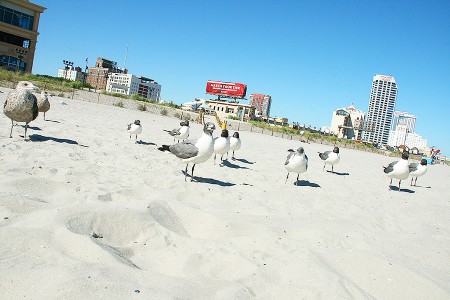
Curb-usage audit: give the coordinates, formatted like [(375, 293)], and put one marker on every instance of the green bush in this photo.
[(233, 117), (164, 112), (187, 117), (118, 104), (142, 107), (176, 115)]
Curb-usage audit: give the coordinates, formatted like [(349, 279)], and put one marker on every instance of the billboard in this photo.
[(228, 89)]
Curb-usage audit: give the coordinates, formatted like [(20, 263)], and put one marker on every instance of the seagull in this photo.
[(21, 105), (417, 170), (195, 152), (330, 158), (235, 143), (43, 103), (296, 162), (398, 169), (135, 128), (221, 145), (181, 133)]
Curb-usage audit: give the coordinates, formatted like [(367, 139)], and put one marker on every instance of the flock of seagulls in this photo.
[(401, 170), (22, 106)]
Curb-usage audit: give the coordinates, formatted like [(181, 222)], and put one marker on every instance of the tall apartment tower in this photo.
[(261, 103), (381, 109)]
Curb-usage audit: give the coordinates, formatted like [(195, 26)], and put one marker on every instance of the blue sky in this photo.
[(310, 56)]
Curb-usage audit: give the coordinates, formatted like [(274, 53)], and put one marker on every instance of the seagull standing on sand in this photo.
[(417, 170), (398, 169), (43, 103), (221, 145), (296, 162), (181, 133), (330, 158), (195, 152), (135, 128), (235, 143), (21, 105)]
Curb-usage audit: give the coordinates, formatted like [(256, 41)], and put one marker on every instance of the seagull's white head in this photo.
[(26, 85)]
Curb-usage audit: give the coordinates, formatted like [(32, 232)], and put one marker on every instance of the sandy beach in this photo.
[(87, 213)]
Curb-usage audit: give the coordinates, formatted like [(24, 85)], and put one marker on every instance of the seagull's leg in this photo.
[(44, 116), (185, 172), (415, 182), (323, 169), (214, 159), (25, 136), (296, 183), (332, 168), (390, 184), (192, 172), (286, 178), (412, 178), (12, 125), (232, 157), (399, 185), (221, 160), (227, 156)]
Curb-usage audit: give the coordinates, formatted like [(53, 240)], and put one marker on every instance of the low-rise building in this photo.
[(348, 122), (225, 109), (129, 84), (71, 73), (275, 121)]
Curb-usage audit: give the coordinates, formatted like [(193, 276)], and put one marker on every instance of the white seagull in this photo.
[(135, 128), (235, 143), (181, 133), (21, 105), (195, 152), (221, 145), (398, 169), (43, 103), (417, 170), (330, 158), (296, 162)]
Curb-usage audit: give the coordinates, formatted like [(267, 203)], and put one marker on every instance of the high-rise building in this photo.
[(402, 136), (19, 22), (261, 103), (404, 118), (381, 109)]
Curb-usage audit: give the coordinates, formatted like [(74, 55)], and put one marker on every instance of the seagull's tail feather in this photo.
[(167, 130), (320, 154), (164, 148)]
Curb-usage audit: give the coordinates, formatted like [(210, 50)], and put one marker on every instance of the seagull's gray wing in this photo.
[(184, 150), (129, 126), (413, 167), (289, 157), (324, 155), (175, 132), (390, 167)]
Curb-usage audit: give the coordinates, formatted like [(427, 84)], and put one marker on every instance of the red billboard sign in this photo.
[(228, 89)]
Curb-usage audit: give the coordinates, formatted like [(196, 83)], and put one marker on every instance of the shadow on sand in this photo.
[(395, 188), (145, 143), (41, 138), (228, 164), (337, 173), (306, 183), (32, 127), (243, 160), (209, 180), (54, 121)]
